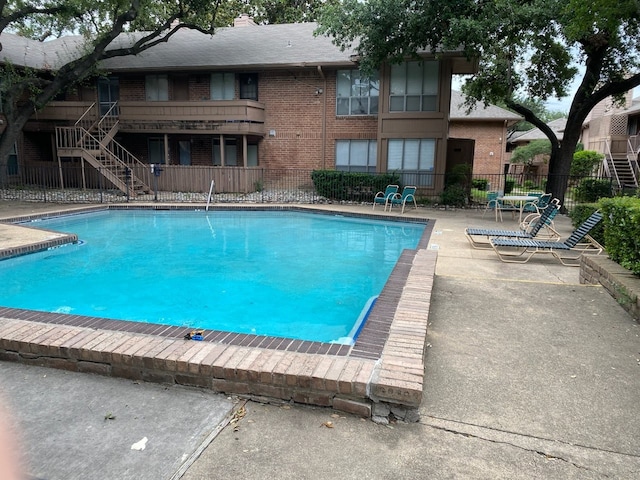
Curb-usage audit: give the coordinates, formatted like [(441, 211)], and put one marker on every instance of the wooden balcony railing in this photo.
[(224, 117), (233, 116)]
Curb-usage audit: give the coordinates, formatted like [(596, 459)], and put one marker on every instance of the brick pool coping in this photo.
[(382, 373)]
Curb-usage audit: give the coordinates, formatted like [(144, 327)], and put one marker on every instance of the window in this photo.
[(414, 159), (12, 161), (249, 86), (157, 88), (184, 152), (252, 155), (414, 87), (223, 86), (356, 94), (230, 154), (156, 150), (356, 155)]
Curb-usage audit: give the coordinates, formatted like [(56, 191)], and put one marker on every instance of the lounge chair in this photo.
[(408, 195), (530, 231), (382, 197), (538, 205), (568, 252)]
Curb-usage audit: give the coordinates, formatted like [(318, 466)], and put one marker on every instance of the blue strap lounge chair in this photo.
[(568, 252), (382, 197), (407, 196), (532, 229)]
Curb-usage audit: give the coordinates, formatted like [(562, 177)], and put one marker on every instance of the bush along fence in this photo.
[(73, 183)]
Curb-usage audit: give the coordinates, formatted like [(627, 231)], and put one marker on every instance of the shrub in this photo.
[(454, 195), (591, 189), (622, 231), (580, 213), (509, 183), (584, 162), (338, 185), (480, 183)]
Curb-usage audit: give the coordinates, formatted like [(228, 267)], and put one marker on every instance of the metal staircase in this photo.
[(623, 168), (94, 143)]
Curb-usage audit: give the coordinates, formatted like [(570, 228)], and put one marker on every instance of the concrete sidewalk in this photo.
[(529, 375)]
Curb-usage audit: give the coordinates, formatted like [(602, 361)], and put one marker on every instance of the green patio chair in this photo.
[(408, 195), (382, 197)]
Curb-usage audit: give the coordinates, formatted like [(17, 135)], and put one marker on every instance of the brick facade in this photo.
[(490, 153)]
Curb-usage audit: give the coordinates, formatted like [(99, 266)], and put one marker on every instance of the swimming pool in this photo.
[(286, 274)]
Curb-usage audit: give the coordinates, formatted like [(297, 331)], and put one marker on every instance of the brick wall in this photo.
[(489, 155)]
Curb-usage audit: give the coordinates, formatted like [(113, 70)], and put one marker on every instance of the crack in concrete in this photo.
[(533, 437)]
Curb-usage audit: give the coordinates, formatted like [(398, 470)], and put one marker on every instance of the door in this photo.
[(184, 148), (108, 94), (156, 150)]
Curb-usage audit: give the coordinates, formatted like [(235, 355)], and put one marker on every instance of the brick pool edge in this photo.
[(391, 384)]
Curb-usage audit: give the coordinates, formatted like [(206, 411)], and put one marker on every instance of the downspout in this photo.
[(503, 144), (324, 117)]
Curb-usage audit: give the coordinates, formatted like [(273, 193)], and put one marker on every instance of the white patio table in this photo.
[(518, 200)]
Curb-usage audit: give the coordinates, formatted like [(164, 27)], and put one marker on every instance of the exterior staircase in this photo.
[(94, 143), (623, 168)]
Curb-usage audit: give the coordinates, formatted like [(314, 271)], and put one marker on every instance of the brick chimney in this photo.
[(244, 20)]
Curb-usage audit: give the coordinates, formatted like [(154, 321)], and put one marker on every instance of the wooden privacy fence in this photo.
[(182, 178)]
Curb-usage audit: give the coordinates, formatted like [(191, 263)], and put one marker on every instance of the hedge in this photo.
[(352, 186), (622, 230)]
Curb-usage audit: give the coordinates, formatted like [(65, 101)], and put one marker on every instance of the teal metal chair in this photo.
[(492, 204), (539, 205), (382, 197), (408, 195)]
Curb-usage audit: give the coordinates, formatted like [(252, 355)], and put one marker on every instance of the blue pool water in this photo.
[(286, 274)]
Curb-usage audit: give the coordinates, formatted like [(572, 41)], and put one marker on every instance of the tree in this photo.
[(105, 29), (532, 49), (526, 154), (274, 11)]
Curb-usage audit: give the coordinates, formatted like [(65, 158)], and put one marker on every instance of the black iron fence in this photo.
[(73, 183)]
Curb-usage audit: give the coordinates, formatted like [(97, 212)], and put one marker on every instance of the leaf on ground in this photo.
[(109, 416), (327, 424)]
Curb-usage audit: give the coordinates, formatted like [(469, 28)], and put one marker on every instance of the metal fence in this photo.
[(74, 183)]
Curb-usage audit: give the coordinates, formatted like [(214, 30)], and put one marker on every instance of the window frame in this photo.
[(356, 83), (424, 89), (422, 175), (248, 83), (371, 163), (156, 87), (228, 85)]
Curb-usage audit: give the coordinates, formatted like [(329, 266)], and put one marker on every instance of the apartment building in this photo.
[(251, 96)]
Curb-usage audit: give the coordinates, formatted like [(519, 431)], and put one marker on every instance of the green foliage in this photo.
[(622, 230), (480, 183), (271, 11), (338, 185), (454, 195), (527, 153), (509, 184), (592, 189), (580, 213), (584, 162)]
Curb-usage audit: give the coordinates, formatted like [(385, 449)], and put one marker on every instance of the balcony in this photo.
[(233, 117)]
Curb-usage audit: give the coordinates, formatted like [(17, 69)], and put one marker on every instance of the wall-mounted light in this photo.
[(319, 91), (272, 133)]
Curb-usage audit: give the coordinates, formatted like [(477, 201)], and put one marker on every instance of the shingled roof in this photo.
[(556, 125), (479, 112), (231, 48)]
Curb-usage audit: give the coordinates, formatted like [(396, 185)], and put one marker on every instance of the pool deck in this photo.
[(381, 374)]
